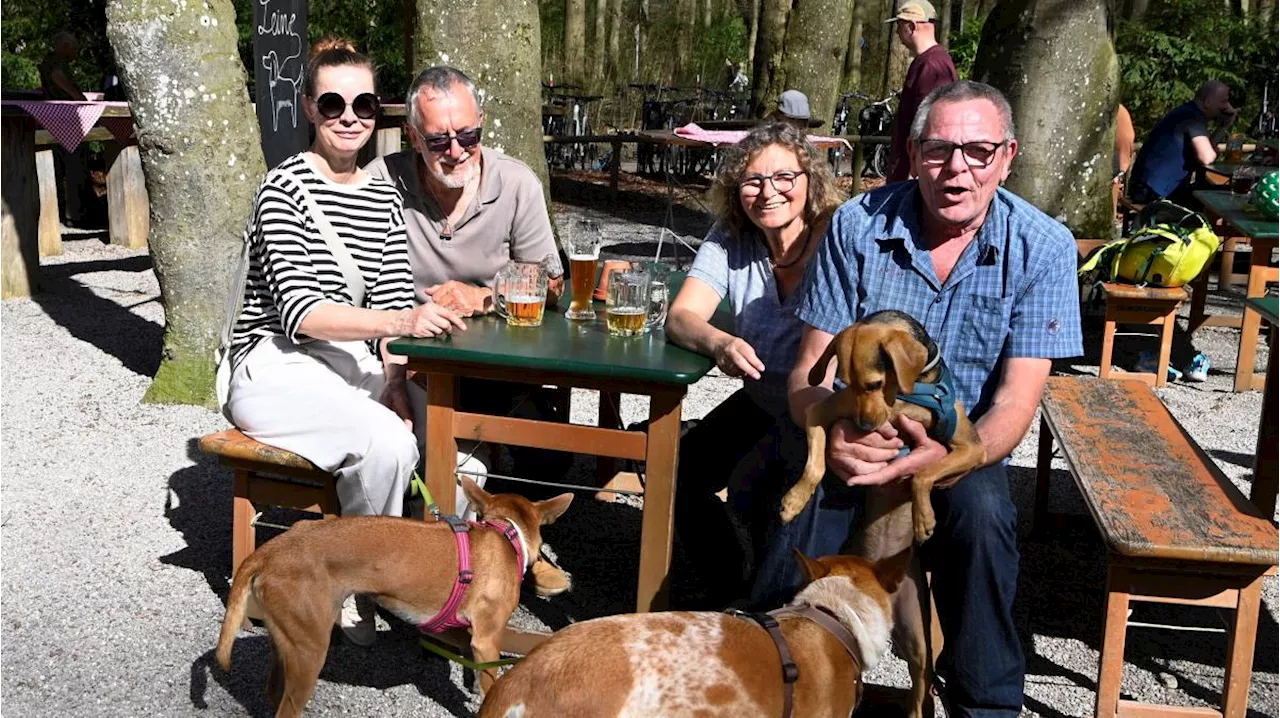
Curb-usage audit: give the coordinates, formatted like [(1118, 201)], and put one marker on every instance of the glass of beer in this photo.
[(582, 244), (520, 293), (631, 307)]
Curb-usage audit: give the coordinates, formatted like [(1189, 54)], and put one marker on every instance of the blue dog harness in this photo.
[(938, 397)]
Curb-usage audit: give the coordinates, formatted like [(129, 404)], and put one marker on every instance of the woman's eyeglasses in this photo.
[(976, 154), (441, 143), (331, 105), (782, 182)]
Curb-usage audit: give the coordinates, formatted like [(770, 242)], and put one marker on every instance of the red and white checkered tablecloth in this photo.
[(69, 121)]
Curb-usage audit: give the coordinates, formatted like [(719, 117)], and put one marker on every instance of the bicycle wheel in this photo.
[(879, 164)]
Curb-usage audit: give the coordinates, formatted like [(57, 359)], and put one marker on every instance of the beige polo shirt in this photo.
[(506, 220)]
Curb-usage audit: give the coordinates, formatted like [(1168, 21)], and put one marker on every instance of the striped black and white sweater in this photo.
[(291, 270)]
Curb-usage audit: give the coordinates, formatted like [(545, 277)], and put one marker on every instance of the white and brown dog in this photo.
[(300, 579), (716, 664)]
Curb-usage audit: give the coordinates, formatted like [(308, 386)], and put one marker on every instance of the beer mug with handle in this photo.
[(582, 244), (632, 307), (520, 293)]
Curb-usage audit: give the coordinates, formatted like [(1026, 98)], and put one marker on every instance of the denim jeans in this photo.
[(973, 556)]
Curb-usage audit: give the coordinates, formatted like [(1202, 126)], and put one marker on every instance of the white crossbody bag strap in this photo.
[(355, 285)]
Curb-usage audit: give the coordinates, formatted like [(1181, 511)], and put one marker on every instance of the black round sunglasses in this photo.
[(331, 105)]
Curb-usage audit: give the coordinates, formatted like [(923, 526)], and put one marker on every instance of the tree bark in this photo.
[(944, 23), (753, 33), (498, 44), (575, 40), (1266, 10), (853, 55), (708, 10), (879, 41), (600, 45), (1137, 9), (682, 70), (816, 43), (771, 38), (1055, 61), (977, 10), (617, 64), (199, 142), (895, 69)]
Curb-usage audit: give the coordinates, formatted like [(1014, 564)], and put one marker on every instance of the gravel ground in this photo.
[(115, 530)]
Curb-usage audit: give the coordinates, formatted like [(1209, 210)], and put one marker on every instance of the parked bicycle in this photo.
[(874, 119), (566, 114)]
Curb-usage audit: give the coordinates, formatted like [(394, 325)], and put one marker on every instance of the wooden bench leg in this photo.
[(656, 527), (1044, 462), (1166, 347), (243, 539), (1240, 644), (1108, 343), (1228, 262), (50, 222), (1111, 657)]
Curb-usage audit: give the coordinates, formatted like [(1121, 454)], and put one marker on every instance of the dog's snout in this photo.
[(864, 425)]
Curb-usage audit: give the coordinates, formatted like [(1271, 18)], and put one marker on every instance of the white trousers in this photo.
[(321, 401)]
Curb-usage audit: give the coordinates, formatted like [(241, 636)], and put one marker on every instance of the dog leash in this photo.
[(447, 654), (418, 487)]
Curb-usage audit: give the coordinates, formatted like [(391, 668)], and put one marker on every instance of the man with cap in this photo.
[(793, 107), (932, 68)]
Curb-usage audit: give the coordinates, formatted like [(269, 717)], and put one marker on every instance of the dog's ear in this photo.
[(812, 568), (907, 356), (552, 508), (891, 571), (839, 347), (819, 370), (476, 495)]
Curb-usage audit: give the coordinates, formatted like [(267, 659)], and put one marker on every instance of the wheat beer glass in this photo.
[(582, 244), (520, 293), (631, 306)]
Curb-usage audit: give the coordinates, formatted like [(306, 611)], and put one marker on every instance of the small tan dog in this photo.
[(301, 578), (883, 360), (713, 664), (890, 366)]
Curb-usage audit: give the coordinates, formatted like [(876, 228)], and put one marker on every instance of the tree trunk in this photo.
[(1055, 61), (682, 70), (617, 64), (977, 10), (770, 42), (817, 39), (498, 44), (853, 55), (708, 9), (895, 70), (1266, 13), (600, 46), (199, 142), (575, 40), (753, 32), (944, 23), (879, 40), (1137, 9)]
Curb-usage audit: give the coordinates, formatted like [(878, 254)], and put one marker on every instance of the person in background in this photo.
[(69, 166), (931, 68), (1180, 147), (793, 108), (774, 195), (307, 368), (1122, 159)]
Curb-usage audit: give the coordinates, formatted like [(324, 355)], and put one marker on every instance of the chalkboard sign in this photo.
[(280, 54)]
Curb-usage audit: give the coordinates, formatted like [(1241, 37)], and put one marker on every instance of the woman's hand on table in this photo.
[(736, 358), (427, 320), (466, 300)]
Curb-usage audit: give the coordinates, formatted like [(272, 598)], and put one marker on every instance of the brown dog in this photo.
[(301, 578), (712, 664), (878, 360)]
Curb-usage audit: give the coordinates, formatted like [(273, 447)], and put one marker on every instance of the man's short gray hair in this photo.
[(440, 78), (962, 91)]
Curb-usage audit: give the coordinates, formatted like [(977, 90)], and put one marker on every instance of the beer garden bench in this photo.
[(1176, 529)]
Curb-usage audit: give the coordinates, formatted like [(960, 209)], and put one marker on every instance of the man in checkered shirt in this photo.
[(993, 281)]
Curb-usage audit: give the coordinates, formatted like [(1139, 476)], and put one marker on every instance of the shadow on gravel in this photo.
[(104, 323), (648, 207), (1061, 593), (199, 508), (395, 660)]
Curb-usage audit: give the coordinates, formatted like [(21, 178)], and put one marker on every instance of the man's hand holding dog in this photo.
[(735, 357), (871, 458)]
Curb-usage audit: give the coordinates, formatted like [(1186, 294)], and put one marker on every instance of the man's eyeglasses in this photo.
[(976, 154), (782, 182), (331, 105), (441, 143)]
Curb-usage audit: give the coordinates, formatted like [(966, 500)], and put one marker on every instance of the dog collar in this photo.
[(448, 616), (938, 397)]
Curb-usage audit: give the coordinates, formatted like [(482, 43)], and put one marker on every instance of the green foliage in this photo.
[(725, 39), (29, 27), (964, 47), (1182, 43)]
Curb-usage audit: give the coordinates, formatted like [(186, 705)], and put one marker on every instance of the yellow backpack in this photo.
[(1170, 248)]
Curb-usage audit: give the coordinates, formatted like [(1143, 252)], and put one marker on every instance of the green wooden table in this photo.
[(1266, 463), (1236, 213), (564, 353), (1226, 169)]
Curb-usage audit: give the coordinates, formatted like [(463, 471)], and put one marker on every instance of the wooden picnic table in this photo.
[(564, 353), (1236, 213), (1266, 474)]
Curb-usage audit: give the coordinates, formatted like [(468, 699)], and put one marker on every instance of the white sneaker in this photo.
[(358, 620)]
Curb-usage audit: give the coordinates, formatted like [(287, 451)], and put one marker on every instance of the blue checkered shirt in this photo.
[(1012, 292)]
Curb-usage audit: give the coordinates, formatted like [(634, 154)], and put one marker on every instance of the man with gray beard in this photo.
[(469, 210)]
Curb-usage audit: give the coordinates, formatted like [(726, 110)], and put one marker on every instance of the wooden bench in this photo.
[(1176, 529), (267, 476)]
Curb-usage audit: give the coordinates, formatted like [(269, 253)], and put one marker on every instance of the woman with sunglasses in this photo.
[(774, 195), (328, 281)]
